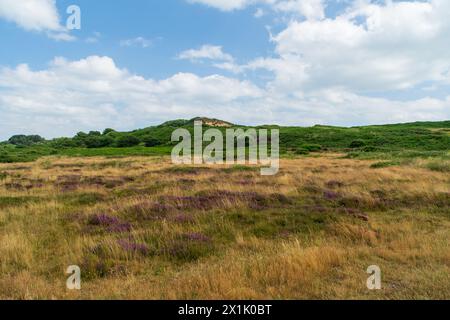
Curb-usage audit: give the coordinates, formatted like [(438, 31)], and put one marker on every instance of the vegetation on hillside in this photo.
[(422, 139)]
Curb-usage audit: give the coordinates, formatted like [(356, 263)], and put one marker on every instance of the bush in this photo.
[(370, 149), (23, 140), (5, 157), (357, 144), (64, 143), (108, 130), (151, 142), (98, 141), (312, 147), (301, 152), (127, 141), (385, 164)]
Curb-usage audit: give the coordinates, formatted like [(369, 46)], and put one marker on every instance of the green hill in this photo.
[(419, 139)]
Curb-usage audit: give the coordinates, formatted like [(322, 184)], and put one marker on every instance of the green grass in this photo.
[(132, 151), (439, 166), (6, 202), (385, 164)]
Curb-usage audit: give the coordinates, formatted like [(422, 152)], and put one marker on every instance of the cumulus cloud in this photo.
[(225, 5), (342, 70), (207, 51), (35, 15), (372, 47), (138, 41), (214, 54), (94, 93), (369, 48), (310, 9)]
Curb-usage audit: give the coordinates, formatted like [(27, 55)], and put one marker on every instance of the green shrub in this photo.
[(151, 142), (6, 158), (127, 141), (64, 143), (83, 199), (369, 149), (108, 130), (94, 141), (23, 140), (441, 166), (301, 152), (357, 144), (384, 164), (312, 147)]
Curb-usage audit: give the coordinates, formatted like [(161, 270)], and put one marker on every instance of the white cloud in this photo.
[(138, 41), (35, 15), (371, 47), (206, 52), (311, 9), (220, 59), (93, 93), (94, 38), (323, 70), (225, 5), (259, 13)]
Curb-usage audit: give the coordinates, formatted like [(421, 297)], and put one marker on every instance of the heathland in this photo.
[(140, 227)]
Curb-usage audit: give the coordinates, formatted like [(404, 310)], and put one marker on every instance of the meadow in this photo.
[(142, 228)]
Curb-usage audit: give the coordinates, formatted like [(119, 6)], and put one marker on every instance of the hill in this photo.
[(419, 139)]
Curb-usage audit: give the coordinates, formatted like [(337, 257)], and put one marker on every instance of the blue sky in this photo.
[(295, 62), (171, 25)]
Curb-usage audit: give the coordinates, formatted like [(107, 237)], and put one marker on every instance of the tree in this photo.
[(23, 140), (151, 142), (357, 144), (108, 130), (64, 143), (127, 141), (94, 141), (81, 135)]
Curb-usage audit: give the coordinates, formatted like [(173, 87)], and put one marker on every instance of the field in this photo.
[(140, 227)]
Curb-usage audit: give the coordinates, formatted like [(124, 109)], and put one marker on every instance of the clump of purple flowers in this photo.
[(103, 220), (148, 210), (113, 224), (120, 228), (132, 246), (330, 195)]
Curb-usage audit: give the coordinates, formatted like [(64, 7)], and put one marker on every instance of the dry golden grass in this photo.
[(141, 228)]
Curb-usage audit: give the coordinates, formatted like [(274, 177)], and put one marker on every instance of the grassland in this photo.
[(142, 228)]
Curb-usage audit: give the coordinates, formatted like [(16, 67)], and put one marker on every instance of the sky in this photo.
[(136, 63)]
